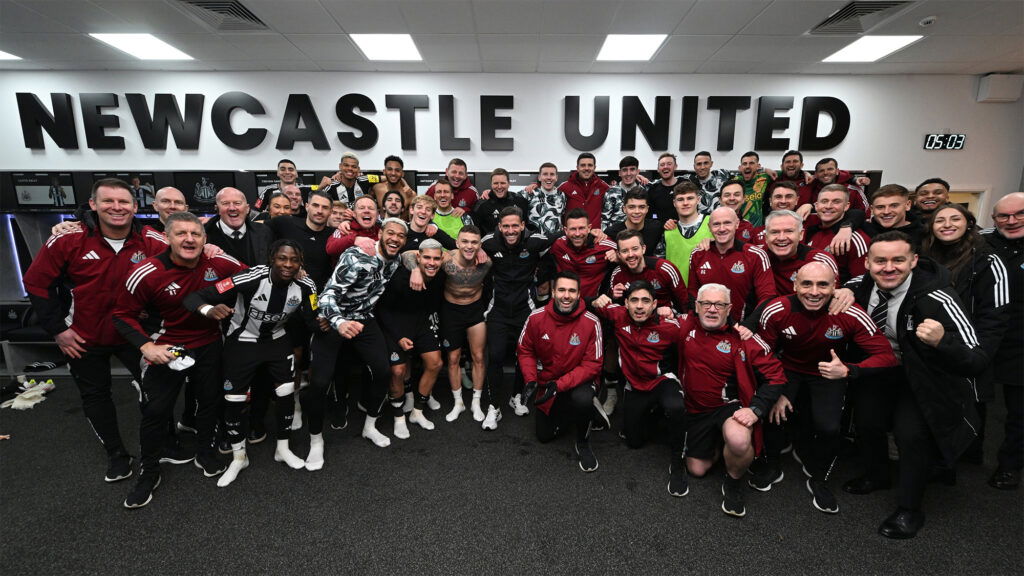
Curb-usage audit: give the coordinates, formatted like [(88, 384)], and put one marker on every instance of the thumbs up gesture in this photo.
[(834, 369)]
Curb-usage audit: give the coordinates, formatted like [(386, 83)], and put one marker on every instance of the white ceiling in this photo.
[(557, 36)]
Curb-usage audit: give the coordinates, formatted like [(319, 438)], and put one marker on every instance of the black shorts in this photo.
[(456, 319), (704, 431), (423, 342), (243, 359)]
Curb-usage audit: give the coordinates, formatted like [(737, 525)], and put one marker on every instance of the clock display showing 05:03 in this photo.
[(944, 141)]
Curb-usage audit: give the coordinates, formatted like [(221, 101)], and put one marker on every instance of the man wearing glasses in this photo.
[(1007, 242)]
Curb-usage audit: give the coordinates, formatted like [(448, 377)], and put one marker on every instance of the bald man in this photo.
[(233, 232), (812, 344), (167, 201), (1007, 242)]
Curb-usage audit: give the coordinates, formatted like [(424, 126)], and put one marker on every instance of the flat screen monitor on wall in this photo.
[(45, 191), (142, 183)]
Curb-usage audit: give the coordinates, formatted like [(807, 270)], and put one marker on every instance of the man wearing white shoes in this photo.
[(346, 303), (258, 304), (408, 316), (560, 351)]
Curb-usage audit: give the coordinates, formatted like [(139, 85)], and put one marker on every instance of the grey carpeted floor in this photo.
[(460, 500)]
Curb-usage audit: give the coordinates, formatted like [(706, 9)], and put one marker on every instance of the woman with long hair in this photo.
[(981, 281)]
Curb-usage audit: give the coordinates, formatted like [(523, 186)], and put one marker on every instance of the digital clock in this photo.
[(944, 141)]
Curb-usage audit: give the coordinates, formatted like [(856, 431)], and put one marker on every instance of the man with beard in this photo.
[(929, 195), (463, 194), (579, 252), (755, 188), (584, 189), (662, 275), (515, 254), (826, 171), (93, 259), (564, 341), (485, 215), (394, 181), (311, 232), (660, 193), (347, 304), (287, 175), (393, 206), (257, 303), (187, 346), (347, 183), (708, 180), (364, 223), (651, 387)]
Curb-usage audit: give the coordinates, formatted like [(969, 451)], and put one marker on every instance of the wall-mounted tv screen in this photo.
[(200, 188), (45, 190), (142, 183)]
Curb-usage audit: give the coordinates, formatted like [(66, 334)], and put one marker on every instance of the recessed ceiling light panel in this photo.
[(630, 47), (387, 47), (142, 46), (872, 48)]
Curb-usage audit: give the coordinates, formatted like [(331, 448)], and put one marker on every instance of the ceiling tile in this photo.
[(567, 47), (400, 66), (679, 48), (959, 18), (752, 49), (648, 17), (450, 47), (791, 18), (506, 17), (719, 17), (82, 16), (152, 17), (509, 46), (18, 18), (204, 46), (672, 67), (62, 47), (563, 67), (367, 16), (809, 48), (514, 66), (615, 67), (727, 67), (578, 17), (453, 66), (884, 68), (264, 46), (346, 66), (326, 46), (439, 17), (294, 16), (956, 49)]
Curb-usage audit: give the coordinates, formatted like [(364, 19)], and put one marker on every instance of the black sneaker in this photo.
[(822, 497), (764, 478), (588, 462), (176, 454), (211, 464), (119, 467), (142, 493), (678, 482), (732, 497), (256, 436)]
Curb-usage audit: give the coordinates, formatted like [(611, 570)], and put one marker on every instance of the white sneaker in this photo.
[(315, 458), (418, 417), (492, 419), (238, 463), (284, 454), (371, 433), (478, 413), (401, 429), (407, 407), (459, 408), (517, 404), (611, 401), (432, 403)]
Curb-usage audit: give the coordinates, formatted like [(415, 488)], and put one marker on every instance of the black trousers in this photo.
[(91, 373), (159, 391), (369, 347), (882, 401), (247, 364), (817, 415), (638, 408), (1011, 453), (502, 333), (572, 408)]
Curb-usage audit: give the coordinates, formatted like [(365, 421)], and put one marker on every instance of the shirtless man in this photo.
[(462, 316)]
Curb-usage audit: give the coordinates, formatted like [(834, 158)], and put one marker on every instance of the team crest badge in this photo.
[(524, 254), (743, 356), (653, 338), (591, 259), (228, 385), (792, 277), (210, 275), (462, 203), (745, 234), (138, 257), (394, 356), (446, 344), (293, 301), (724, 347), (656, 285), (597, 192), (738, 268), (574, 340), (834, 333)]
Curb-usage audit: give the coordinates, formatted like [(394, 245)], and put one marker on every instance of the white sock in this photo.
[(315, 458), (239, 462), (432, 403), (401, 430), (458, 408), (478, 413), (284, 454), (407, 406), (297, 416), (371, 433), (418, 417), (477, 394)]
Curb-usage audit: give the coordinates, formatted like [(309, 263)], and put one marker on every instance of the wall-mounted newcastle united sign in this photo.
[(301, 121)]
